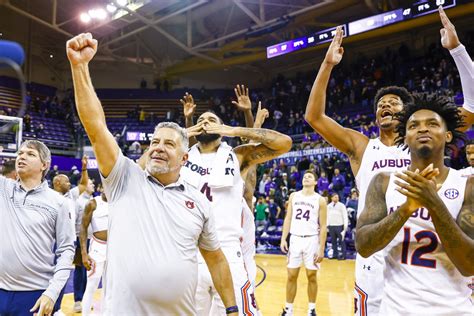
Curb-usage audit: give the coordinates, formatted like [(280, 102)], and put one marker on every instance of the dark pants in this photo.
[(18, 303), (80, 278), (336, 237)]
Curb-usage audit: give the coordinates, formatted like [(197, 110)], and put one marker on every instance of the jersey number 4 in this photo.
[(417, 256), (300, 215), (206, 190)]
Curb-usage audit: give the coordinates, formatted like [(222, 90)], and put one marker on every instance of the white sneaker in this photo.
[(77, 307)]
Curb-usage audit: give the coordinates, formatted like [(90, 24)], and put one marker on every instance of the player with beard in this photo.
[(367, 158), (216, 170), (469, 171), (424, 223)]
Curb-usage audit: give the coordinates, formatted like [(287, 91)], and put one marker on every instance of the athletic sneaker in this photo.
[(285, 312), (312, 312), (77, 307)]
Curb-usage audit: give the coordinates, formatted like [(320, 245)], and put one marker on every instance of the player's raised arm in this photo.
[(80, 51), (348, 141), (244, 104), (464, 64)]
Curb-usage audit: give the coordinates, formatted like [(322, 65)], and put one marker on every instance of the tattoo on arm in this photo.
[(374, 228)]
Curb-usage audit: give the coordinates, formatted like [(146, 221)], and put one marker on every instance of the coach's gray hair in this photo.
[(43, 152), (182, 132)]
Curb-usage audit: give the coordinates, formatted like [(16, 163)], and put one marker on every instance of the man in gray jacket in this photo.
[(34, 218)]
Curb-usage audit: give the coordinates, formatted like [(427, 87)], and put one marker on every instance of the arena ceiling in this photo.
[(172, 37)]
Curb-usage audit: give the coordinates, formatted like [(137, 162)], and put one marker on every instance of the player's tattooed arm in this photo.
[(375, 229), (267, 144), (457, 236)]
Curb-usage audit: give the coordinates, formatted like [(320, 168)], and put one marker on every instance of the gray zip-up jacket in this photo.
[(35, 228)]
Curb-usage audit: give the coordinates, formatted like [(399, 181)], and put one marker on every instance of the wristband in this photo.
[(232, 309)]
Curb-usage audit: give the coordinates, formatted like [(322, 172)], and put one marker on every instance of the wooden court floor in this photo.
[(335, 288)]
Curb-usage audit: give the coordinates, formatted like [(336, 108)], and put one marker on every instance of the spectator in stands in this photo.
[(261, 212), (338, 183), (27, 122), (351, 205), (40, 131), (274, 211), (8, 170), (52, 173), (143, 83), (323, 183), (337, 226), (135, 148)]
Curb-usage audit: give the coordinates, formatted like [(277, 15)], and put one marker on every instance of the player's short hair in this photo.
[(43, 152), (310, 172), (213, 112), (470, 142), (396, 90), (440, 105), (8, 166), (181, 131)]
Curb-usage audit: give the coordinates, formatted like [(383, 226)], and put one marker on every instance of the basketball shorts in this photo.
[(208, 301), (98, 249), (303, 250), (369, 284)]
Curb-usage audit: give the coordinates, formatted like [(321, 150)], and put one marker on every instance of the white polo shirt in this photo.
[(153, 239)]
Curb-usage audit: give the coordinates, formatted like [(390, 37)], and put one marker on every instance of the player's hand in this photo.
[(188, 105), (88, 262), (84, 162), (284, 246), (420, 191), (262, 114), (243, 101), (449, 37), (317, 257), (335, 50), (81, 49), (221, 129), (197, 129), (44, 305)]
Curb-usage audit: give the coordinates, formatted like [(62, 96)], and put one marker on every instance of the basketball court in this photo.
[(335, 288)]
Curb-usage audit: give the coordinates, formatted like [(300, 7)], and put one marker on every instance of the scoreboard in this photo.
[(417, 9)]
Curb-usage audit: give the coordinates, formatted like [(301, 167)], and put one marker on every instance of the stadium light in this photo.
[(101, 14), (111, 8), (86, 18)]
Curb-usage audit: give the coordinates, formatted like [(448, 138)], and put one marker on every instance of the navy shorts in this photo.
[(18, 303)]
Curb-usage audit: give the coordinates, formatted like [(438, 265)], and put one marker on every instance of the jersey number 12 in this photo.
[(417, 256)]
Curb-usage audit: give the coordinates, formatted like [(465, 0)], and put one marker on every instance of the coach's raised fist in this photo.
[(81, 49)]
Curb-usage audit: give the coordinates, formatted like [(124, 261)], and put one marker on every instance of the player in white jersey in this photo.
[(423, 220), (96, 214), (215, 169), (367, 158), (306, 210)]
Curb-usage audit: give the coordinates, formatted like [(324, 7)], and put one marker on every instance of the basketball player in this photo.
[(8, 169), (423, 223), (33, 219), (464, 64), (367, 157), (469, 171), (158, 221), (62, 185), (216, 170), (96, 214), (306, 209)]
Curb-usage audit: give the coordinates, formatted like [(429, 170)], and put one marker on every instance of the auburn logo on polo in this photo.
[(190, 204)]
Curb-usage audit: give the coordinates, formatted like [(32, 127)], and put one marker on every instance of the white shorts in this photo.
[(251, 267), (208, 301), (303, 249), (369, 284), (98, 249)]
